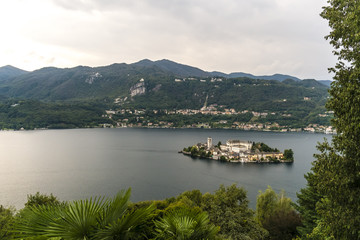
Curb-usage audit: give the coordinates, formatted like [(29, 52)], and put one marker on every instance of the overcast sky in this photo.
[(261, 37)]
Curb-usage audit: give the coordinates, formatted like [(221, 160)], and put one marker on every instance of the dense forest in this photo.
[(32, 114), (288, 103), (238, 93)]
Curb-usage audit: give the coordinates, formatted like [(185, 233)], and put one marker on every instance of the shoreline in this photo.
[(156, 127), (256, 162)]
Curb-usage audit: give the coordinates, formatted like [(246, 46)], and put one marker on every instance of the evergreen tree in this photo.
[(336, 171), (307, 199)]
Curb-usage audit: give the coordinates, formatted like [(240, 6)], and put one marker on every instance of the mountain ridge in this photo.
[(148, 85), (179, 70), (7, 72)]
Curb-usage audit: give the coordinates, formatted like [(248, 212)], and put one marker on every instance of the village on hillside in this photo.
[(239, 151)]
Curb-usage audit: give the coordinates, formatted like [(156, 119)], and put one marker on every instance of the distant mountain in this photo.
[(278, 77), (78, 96), (7, 72), (181, 70), (78, 83), (151, 78), (174, 68), (325, 82)]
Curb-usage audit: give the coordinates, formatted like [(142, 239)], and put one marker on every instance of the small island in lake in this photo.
[(239, 151)]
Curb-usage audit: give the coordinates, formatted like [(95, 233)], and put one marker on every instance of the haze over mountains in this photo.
[(177, 69)]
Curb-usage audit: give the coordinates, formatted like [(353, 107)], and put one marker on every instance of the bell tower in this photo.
[(209, 143)]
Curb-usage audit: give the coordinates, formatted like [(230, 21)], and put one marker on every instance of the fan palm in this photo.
[(183, 224), (94, 218)]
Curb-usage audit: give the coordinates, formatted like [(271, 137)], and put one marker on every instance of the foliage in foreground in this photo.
[(227, 208), (94, 218), (191, 215), (185, 224), (334, 184), (6, 222), (276, 214)]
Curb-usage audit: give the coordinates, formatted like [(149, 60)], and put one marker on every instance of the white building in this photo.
[(238, 146)]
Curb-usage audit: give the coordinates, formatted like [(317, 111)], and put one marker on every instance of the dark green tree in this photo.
[(194, 151), (6, 222), (306, 206), (288, 154), (336, 171), (228, 208), (41, 199), (277, 215)]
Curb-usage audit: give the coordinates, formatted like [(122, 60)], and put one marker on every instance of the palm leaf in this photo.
[(128, 226), (185, 224), (94, 218)]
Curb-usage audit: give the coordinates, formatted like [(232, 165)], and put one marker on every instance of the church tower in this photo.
[(209, 143)]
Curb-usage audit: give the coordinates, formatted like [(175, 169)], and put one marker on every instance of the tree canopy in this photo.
[(336, 171), (276, 214)]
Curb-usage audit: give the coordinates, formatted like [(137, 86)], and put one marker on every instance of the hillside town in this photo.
[(239, 151), (150, 119)]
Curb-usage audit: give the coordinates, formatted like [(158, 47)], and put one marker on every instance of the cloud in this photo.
[(257, 36)]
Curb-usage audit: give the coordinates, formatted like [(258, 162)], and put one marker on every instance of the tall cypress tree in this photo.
[(336, 171)]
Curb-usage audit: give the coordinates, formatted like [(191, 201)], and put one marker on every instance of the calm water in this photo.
[(74, 164)]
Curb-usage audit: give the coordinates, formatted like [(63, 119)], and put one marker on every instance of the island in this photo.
[(239, 151)]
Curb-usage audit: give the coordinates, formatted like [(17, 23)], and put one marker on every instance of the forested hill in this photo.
[(237, 93), (149, 86), (8, 72), (79, 83), (161, 88), (158, 85)]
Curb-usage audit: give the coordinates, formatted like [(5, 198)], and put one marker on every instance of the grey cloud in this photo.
[(234, 35)]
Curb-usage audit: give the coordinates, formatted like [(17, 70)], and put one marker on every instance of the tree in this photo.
[(288, 154), (194, 151), (266, 204), (336, 170), (277, 215), (94, 218), (228, 208), (41, 199), (6, 222), (185, 224), (202, 153), (306, 206)]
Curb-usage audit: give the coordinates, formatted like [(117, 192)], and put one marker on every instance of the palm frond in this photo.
[(185, 224), (115, 208), (128, 225)]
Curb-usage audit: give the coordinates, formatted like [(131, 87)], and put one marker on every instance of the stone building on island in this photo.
[(235, 151)]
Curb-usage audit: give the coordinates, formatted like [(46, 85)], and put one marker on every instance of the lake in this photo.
[(79, 163)]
